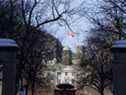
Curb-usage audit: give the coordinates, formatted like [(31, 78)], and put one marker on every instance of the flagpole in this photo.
[(77, 39)]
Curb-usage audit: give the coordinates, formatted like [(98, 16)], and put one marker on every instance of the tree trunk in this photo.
[(102, 80), (102, 92), (26, 89), (32, 88)]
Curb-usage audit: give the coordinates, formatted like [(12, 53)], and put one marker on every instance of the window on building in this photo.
[(58, 73), (72, 81), (66, 81), (66, 73), (58, 76), (59, 81), (73, 73)]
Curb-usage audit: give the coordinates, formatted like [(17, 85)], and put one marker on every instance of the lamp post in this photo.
[(8, 59), (119, 67)]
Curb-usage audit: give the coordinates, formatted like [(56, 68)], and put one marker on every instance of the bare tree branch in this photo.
[(51, 20), (67, 24), (104, 27), (23, 12), (120, 8), (31, 12)]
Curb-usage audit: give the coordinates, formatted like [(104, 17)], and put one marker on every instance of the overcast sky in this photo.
[(82, 24)]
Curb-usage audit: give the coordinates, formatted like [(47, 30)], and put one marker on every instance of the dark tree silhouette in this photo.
[(97, 72), (36, 47)]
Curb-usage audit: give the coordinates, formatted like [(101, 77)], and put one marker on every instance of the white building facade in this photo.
[(66, 75)]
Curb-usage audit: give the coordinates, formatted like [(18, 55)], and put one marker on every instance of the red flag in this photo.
[(71, 34)]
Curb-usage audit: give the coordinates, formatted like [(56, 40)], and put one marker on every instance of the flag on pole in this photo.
[(71, 34)]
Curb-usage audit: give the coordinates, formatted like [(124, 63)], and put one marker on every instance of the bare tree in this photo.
[(107, 16), (42, 12), (97, 65), (35, 47)]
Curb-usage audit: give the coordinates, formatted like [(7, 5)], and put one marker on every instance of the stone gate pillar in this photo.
[(119, 67), (8, 60)]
